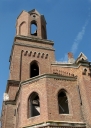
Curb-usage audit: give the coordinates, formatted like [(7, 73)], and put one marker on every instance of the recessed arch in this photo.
[(63, 102), (34, 69), (33, 105), (22, 28)]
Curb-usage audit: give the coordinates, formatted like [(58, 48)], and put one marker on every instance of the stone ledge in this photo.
[(33, 46), (12, 102), (67, 65), (59, 124), (54, 76), (40, 40), (13, 83)]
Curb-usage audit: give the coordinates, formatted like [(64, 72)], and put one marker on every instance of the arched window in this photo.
[(33, 28), (33, 105), (63, 103), (34, 69)]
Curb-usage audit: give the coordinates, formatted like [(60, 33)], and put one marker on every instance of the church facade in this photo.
[(40, 92)]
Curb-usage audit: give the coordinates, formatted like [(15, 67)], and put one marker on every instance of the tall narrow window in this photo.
[(34, 105), (34, 69), (63, 103), (33, 28)]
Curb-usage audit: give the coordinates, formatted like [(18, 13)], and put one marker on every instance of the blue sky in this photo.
[(68, 25)]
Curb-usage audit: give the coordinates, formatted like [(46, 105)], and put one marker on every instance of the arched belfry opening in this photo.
[(33, 105), (33, 28), (63, 103), (34, 69)]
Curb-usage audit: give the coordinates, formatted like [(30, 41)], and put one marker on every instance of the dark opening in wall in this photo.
[(34, 69), (34, 105), (33, 28), (63, 103)]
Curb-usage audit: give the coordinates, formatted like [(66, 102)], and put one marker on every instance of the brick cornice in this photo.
[(74, 65), (53, 76), (34, 39), (13, 83), (33, 46), (13, 102)]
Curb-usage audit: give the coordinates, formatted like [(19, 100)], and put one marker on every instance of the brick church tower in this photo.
[(40, 92)]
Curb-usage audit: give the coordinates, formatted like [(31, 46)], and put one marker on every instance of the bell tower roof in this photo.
[(34, 11)]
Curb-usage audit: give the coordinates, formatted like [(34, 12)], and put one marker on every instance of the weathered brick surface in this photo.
[(8, 116), (26, 59), (48, 93), (12, 92)]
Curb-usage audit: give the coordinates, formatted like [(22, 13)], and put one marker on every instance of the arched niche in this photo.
[(22, 28)]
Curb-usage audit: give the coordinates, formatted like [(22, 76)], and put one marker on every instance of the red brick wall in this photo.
[(48, 90), (8, 116), (44, 63)]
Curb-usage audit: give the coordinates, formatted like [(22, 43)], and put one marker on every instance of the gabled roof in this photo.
[(81, 57), (30, 12), (34, 11), (21, 13)]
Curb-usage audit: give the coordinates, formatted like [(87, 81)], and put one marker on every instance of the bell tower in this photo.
[(31, 56), (32, 53), (27, 21)]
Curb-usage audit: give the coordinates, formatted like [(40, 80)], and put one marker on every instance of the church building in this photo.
[(41, 92)]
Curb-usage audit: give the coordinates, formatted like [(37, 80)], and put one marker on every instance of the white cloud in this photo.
[(80, 34), (89, 0), (78, 38), (76, 42)]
